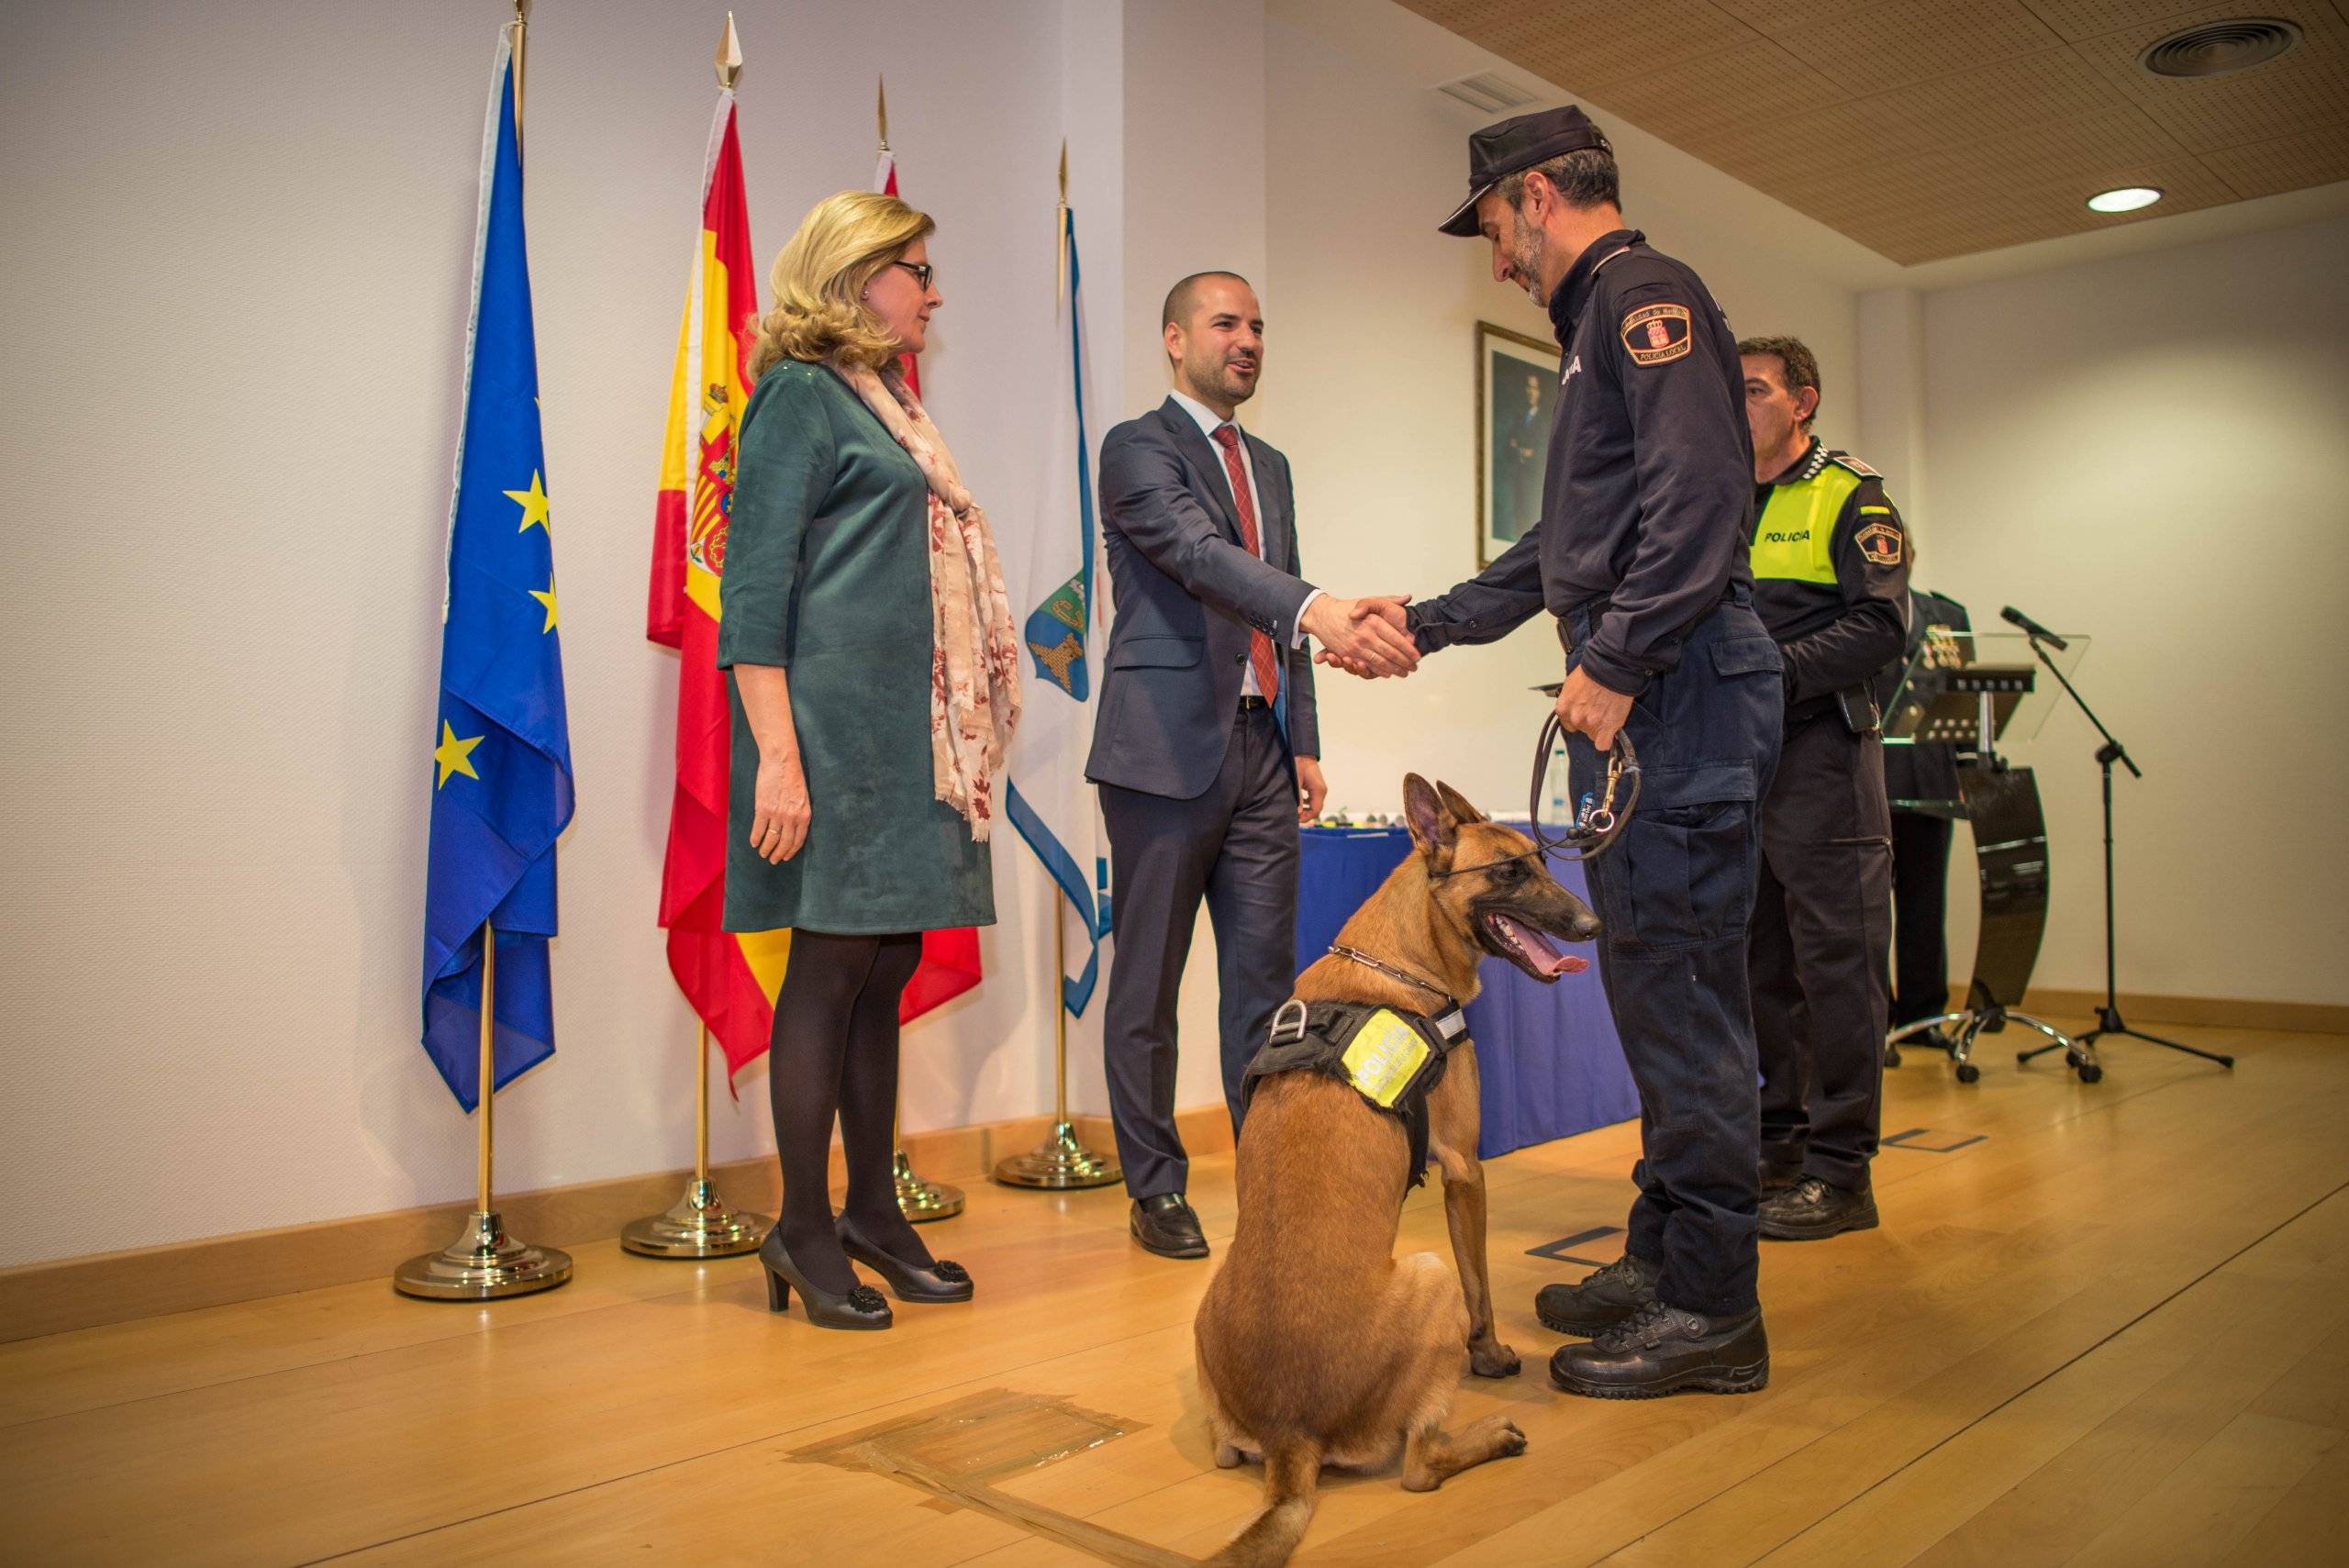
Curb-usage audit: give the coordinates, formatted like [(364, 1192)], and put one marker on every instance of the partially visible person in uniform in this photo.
[(874, 679), (1639, 553), (1920, 780), (1830, 578), (1206, 751)]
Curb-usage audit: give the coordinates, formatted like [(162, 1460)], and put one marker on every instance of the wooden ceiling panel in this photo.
[(1929, 129), (2307, 87), (2093, 18), (1815, 141), (1889, 45), (1776, 18), (2046, 86), (1752, 86), (2288, 163), (1589, 41)]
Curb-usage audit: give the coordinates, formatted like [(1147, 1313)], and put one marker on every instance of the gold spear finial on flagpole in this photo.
[(729, 56), (880, 108), (521, 26), (1060, 238)]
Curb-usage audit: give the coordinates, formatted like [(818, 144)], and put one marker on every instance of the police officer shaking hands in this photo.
[(1830, 579), (1639, 552)]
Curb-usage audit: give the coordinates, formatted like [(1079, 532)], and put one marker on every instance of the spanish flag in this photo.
[(729, 978)]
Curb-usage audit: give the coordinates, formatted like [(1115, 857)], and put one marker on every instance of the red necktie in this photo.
[(1260, 646)]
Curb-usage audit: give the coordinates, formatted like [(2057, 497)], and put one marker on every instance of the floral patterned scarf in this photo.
[(974, 654)]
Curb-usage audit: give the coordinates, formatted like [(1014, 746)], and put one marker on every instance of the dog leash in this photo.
[(1598, 823)]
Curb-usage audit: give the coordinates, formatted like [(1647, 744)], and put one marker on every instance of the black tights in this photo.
[(835, 1049)]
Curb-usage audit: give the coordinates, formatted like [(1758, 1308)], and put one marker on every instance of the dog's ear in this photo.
[(1458, 804), (1433, 827)]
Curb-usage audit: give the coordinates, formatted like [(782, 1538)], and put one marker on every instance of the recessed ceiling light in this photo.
[(2127, 198)]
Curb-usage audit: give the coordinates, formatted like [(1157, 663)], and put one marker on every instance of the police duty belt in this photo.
[(1389, 1057)]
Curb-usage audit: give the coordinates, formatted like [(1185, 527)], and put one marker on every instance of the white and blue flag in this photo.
[(1049, 800)]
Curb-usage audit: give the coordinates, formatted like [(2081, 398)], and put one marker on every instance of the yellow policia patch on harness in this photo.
[(1383, 1056), (1654, 333)]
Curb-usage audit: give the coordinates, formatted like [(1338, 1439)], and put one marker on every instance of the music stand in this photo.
[(1970, 689), (2082, 1056)]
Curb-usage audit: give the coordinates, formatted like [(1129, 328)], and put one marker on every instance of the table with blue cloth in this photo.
[(1548, 1056)]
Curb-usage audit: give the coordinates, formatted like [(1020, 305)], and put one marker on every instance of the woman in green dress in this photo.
[(875, 685)]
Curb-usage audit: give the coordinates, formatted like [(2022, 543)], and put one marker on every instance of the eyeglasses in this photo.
[(921, 271)]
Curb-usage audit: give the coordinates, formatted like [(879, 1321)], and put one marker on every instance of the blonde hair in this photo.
[(841, 243)]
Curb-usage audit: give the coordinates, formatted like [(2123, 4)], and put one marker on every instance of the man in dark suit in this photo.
[(1205, 746)]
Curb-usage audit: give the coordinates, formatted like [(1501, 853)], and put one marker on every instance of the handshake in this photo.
[(1365, 637)]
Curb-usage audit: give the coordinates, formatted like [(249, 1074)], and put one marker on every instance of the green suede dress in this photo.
[(826, 574)]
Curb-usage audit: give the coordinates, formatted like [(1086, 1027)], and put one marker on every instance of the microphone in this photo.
[(2033, 627)]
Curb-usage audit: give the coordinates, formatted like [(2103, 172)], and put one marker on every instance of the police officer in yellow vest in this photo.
[(1830, 581)]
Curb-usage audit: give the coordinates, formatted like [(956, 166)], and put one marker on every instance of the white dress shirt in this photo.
[(1209, 422)]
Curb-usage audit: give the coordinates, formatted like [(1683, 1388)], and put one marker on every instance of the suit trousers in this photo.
[(1920, 916), (1236, 846), (1821, 939)]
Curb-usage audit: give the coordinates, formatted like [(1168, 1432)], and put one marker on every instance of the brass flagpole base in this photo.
[(921, 1201), (483, 1261), (1062, 1164), (698, 1225)]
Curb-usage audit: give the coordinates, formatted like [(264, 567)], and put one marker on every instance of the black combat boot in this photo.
[(1661, 1350), (1602, 1300), (1811, 1210)]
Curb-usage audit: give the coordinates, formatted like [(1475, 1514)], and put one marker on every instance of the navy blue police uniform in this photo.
[(1641, 555), (1831, 568)]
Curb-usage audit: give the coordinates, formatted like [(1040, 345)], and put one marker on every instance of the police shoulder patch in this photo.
[(1653, 334), (1845, 459), (1883, 544)]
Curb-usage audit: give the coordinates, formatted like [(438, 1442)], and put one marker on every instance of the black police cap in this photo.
[(1502, 150)]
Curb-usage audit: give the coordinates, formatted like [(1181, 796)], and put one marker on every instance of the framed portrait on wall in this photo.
[(1517, 391)]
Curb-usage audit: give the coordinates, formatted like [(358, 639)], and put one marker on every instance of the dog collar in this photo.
[(1448, 1020)]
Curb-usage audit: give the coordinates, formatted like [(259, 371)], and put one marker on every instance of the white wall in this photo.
[(236, 265), (2149, 450)]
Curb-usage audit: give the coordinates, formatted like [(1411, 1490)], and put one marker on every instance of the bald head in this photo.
[(1184, 297), (1214, 331)]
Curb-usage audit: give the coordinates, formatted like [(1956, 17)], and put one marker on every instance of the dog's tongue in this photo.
[(1546, 957)]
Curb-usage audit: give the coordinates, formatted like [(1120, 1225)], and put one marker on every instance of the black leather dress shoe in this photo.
[(942, 1280), (1601, 1301), (1810, 1210), (1661, 1350), (1166, 1225)]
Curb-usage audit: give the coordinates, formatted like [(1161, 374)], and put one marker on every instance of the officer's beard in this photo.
[(1527, 249)]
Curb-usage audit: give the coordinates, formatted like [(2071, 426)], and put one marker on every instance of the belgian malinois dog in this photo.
[(1317, 1345)]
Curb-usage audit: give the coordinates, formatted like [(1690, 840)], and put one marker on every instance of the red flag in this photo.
[(729, 978), (949, 959)]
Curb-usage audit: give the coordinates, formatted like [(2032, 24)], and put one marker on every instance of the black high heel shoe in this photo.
[(937, 1282), (861, 1307)]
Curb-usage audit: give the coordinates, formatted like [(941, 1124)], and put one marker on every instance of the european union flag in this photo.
[(501, 752)]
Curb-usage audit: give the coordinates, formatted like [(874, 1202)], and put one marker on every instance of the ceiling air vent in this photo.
[(1485, 93), (2217, 48)]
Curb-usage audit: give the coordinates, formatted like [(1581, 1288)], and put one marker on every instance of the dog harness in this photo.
[(1391, 1058)]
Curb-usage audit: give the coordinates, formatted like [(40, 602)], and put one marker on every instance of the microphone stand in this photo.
[(2108, 1017)]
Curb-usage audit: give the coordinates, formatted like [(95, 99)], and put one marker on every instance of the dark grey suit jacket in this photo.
[(1188, 591)]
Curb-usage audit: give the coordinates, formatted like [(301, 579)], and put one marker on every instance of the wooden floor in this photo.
[(2113, 1328)]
